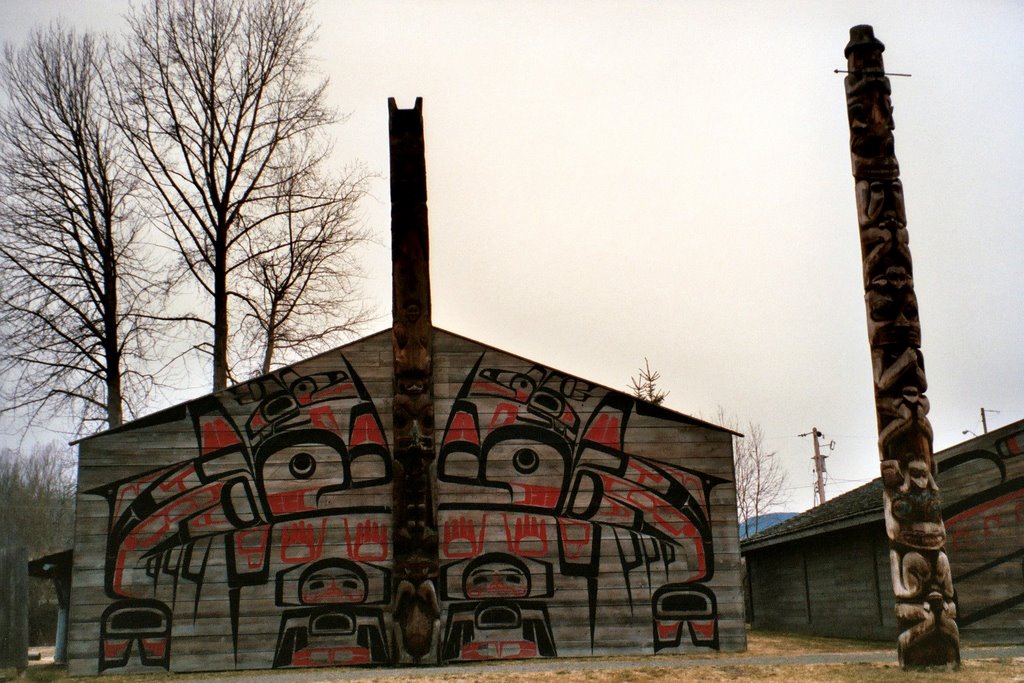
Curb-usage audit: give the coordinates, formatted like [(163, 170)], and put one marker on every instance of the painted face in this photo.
[(496, 580), (332, 585)]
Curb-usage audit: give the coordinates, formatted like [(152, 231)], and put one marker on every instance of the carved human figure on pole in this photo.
[(922, 585)]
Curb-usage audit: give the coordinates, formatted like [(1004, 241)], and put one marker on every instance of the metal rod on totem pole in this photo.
[(414, 535), (923, 587)]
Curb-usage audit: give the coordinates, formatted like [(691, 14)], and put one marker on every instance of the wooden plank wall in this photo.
[(13, 608), (246, 529), (575, 520), (251, 528), (833, 585), (982, 486)]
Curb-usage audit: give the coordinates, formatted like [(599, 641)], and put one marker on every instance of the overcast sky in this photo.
[(614, 180)]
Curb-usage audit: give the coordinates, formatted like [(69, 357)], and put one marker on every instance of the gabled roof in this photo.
[(862, 505), (177, 411)]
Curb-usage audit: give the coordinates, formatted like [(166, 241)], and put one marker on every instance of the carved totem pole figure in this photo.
[(925, 606), (415, 533)]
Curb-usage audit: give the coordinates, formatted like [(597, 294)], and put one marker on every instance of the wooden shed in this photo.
[(827, 571), (263, 526)]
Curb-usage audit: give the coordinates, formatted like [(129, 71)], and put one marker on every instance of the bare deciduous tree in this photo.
[(760, 478), (644, 385), (220, 107), (73, 336), (297, 293)]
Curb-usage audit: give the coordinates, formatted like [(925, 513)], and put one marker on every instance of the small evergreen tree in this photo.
[(644, 385)]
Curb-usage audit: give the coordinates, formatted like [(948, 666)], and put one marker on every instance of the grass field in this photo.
[(656, 668)]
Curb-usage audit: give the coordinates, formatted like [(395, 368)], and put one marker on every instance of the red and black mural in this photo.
[(271, 545), (985, 529), (545, 513), (283, 515)]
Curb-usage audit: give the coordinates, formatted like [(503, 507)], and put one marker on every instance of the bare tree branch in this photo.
[(220, 108), (760, 479), (71, 269)]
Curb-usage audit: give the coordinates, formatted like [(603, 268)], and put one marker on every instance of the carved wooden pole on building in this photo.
[(925, 608), (415, 534)]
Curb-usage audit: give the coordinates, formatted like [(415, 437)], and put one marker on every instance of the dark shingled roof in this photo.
[(864, 502)]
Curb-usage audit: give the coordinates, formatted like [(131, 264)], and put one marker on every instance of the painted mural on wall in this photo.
[(544, 513), (986, 530), (284, 515), (272, 545)]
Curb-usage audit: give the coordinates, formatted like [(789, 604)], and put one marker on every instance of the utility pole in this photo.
[(984, 422), (819, 466)]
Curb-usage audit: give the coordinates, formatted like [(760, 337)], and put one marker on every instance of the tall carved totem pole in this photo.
[(925, 607), (415, 527)]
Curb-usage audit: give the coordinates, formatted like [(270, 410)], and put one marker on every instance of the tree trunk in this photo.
[(220, 313), (268, 351)]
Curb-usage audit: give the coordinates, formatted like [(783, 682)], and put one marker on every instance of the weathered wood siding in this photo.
[(576, 520), (795, 587), (982, 486), (252, 528), (794, 584), (245, 529), (13, 608)]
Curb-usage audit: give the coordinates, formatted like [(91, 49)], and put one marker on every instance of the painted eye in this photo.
[(525, 460), (302, 465)]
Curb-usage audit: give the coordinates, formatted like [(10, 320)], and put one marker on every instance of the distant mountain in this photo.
[(755, 524)]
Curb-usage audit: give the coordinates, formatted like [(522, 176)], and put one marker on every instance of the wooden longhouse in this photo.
[(413, 496)]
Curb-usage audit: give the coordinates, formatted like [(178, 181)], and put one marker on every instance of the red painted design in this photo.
[(463, 428), (115, 649), (251, 545), (705, 630), (322, 417), (293, 501), (155, 647), (491, 389), (347, 655), (606, 430), (155, 528), (498, 649), (370, 543), (534, 495), (335, 391), (461, 538), (217, 434), (644, 475), (667, 630), (366, 430), (176, 483), (984, 508), (530, 537), (300, 542), (576, 537), (504, 414)]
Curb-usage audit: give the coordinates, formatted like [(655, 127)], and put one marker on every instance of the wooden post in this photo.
[(415, 527), (13, 608), (925, 608)]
